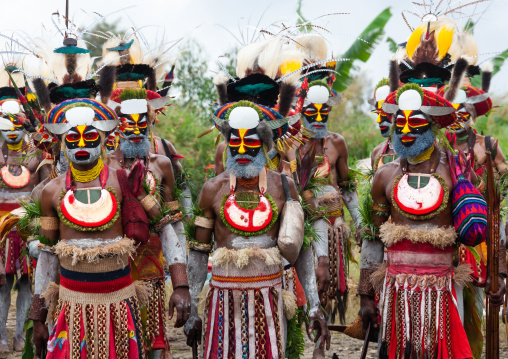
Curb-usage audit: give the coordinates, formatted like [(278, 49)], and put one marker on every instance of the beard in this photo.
[(94, 154), (422, 143), (13, 141), (248, 170), (319, 132), (385, 133), (134, 149)]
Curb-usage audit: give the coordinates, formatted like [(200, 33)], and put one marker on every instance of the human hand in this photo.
[(368, 312), (323, 275), (496, 299), (40, 336), (192, 330), (180, 299), (318, 323)]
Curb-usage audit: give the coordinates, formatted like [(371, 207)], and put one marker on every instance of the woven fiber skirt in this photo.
[(245, 306), (97, 315)]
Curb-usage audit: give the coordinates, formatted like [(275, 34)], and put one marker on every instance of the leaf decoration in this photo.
[(361, 49)]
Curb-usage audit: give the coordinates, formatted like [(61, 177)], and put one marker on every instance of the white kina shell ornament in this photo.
[(382, 93), (410, 100), (318, 94), (243, 118), (89, 214), (423, 200), (248, 220)]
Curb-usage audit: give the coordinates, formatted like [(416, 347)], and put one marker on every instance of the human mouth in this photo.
[(407, 139), (243, 161), (82, 153), (13, 136), (383, 128), (136, 139)]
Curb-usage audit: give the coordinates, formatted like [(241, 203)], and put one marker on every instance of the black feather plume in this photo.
[(42, 94), (151, 82), (394, 75), (459, 70), (486, 77), (222, 93), (286, 97), (107, 80)]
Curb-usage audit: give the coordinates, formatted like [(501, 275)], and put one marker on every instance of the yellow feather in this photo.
[(290, 65), (415, 39), (444, 39)]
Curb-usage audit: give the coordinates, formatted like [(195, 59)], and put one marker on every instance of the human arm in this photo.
[(320, 245), (304, 267), (372, 251), (198, 259), (219, 163)]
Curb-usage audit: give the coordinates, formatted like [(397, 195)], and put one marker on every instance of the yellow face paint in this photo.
[(406, 129), (456, 105), (379, 106), (318, 107), (81, 130)]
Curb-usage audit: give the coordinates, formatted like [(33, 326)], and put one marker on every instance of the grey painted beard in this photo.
[(13, 141), (249, 170), (319, 132), (386, 133), (95, 153), (422, 143), (134, 149)]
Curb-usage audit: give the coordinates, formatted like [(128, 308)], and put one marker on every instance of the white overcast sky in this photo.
[(200, 18)]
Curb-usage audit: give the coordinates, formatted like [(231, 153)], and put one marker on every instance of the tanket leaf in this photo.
[(392, 44), (498, 62), (361, 49)]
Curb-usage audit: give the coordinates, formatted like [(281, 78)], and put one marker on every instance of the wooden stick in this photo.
[(493, 201), (366, 343), (195, 348)]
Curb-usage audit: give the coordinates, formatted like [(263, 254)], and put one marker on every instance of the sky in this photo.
[(205, 20)]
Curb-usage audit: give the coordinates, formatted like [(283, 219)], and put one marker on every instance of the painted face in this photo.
[(110, 144), (412, 134), (384, 121), (315, 118), (244, 145), (410, 123), (464, 120), (135, 126), (83, 144), (14, 135)]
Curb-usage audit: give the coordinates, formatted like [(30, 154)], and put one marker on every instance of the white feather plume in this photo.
[(314, 46)]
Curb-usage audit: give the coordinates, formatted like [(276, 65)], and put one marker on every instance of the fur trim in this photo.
[(290, 304), (142, 291), (50, 296), (151, 82), (440, 237), (394, 75), (462, 275), (107, 79), (314, 46), (265, 135), (459, 71), (42, 93), (93, 254), (221, 81), (487, 69), (464, 45), (241, 257), (286, 97), (377, 277)]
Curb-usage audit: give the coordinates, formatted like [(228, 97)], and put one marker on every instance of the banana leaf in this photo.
[(361, 50)]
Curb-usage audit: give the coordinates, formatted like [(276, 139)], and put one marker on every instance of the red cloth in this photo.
[(11, 254)]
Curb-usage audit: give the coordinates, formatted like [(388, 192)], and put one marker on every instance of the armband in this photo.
[(364, 285), (172, 206), (148, 202), (292, 166), (199, 247), (379, 207), (49, 223), (168, 219), (204, 222)]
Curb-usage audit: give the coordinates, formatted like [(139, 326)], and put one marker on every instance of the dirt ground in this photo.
[(343, 346)]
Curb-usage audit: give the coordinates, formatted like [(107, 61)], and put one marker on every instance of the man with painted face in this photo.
[(255, 224), (19, 175), (332, 151), (415, 191), (88, 241), (137, 114), (384, 152)]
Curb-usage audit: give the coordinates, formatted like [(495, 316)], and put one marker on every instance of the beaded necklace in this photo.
[(88, 175)]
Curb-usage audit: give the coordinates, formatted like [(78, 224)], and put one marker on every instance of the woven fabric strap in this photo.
[(50, 223), (38, 309), (364, 284), (172, 206), (148, 202), (200, 247), (204, 222)]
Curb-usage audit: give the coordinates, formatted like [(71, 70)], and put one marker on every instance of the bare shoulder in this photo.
[(160, 160), (53, 188), (387, 171), (336, 139)]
